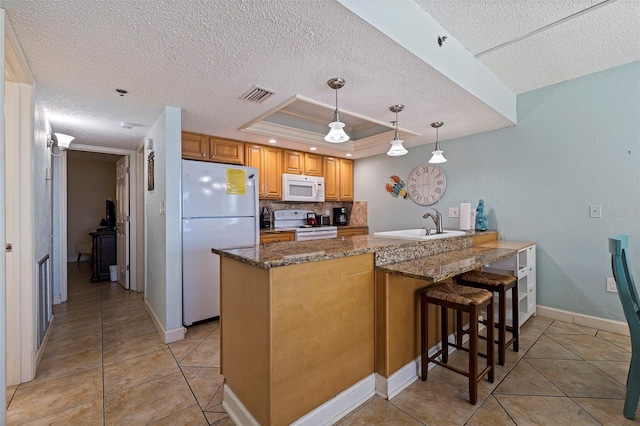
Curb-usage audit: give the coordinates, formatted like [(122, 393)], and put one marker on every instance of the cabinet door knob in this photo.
[(203, 154), (212, 155)]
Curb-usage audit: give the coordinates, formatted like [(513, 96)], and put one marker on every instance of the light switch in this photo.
[(595, 211)]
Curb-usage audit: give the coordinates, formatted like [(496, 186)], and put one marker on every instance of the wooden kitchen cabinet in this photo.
[(210, 148), (195, 146), (338, 179), (268, 161), (226, 151), (277, 237), (302, 163), (348, 232)]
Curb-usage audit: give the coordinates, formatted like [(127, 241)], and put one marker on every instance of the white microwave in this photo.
[(301, 188)]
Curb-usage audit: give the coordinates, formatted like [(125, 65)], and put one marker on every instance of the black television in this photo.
[(110, 212)]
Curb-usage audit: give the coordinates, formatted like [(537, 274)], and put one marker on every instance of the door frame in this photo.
[(62, 211)]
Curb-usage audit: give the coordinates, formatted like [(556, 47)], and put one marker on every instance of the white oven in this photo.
[(296, 220), (301, 188)]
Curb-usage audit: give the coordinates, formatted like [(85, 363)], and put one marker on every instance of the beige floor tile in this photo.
[(560, 327), (148, 402), (544, 410), (435, 402), (215, 404), (206, 354), (578, 378), (204, 382), (202, 330), (68, 346), (490, 414), (526, 380), (591, 348), (219, 419), (32, 402), (215, 334), (189, 416), (460, 359), (606, 411), (619, 370), (141, 369), (87, 314), (89, 413), (182, 348), (536, 325), (66, 365), (617, 339), (550, 349), (75, 332), (124, 331), (378, 411), (11, 390), (120, 350), (129, 317)]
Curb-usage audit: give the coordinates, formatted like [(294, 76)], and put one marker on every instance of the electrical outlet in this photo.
[(454, 212), (595, 211), (611, 285)]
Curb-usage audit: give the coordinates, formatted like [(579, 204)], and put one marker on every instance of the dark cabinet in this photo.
[(104, 254)]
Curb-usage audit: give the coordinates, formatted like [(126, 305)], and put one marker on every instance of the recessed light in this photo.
[(348, 154), (272, 141), (313, 148)]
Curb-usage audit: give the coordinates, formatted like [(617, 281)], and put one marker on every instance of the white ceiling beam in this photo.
[(413, 28)]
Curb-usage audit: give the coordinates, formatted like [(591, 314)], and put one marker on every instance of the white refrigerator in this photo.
[(219, 209)]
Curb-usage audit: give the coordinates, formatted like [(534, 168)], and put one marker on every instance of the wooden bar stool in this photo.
[(462, 299), (500, 284)]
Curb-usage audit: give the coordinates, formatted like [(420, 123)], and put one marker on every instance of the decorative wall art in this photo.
[(396, 187), (150, 180)]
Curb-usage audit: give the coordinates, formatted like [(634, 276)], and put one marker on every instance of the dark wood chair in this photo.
[(461, 299), (498, 283)]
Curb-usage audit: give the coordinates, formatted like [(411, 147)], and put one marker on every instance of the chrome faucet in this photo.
[(437, 219)]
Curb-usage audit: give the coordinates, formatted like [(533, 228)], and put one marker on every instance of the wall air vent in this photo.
[(257, 95)]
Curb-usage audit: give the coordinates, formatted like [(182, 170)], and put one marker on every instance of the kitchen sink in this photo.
[(418, 234)]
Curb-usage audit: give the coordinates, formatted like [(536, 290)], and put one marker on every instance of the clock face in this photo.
[(426, 184)]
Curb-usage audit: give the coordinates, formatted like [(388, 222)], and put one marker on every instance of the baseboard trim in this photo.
[(57, 299), (612, 326), (236, 409), (341, 405), (169, 336)]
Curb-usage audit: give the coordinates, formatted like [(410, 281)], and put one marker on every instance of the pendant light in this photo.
[(397, 148), (336, 134), (437, 154)]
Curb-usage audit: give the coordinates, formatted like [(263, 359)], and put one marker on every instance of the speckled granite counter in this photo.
[(448, 264), (387, 250)]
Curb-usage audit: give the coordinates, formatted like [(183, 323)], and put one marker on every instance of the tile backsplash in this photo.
[(354, 210)]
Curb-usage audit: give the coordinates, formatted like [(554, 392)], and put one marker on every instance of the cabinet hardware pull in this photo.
[(212, 155), (203, 154)]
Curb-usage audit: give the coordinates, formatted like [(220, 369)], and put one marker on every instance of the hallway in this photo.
[(106, 364)]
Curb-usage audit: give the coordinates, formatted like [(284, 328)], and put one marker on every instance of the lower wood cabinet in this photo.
[(277, 237), (347, 232)]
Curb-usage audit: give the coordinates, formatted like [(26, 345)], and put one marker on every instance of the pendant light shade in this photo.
[(64, 140), (437, 154), (397, 148), (337, 133)]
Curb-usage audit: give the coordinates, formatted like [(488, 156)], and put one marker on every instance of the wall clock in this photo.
[(426, 184)]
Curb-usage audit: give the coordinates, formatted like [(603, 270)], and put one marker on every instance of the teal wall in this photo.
[(576, 143)]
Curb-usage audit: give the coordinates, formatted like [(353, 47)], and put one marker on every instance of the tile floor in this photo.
[(106, 364)]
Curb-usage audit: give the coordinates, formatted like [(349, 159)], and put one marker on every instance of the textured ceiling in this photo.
[(202, 55)]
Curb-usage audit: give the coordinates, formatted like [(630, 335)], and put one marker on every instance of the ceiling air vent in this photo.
[(257, 95)]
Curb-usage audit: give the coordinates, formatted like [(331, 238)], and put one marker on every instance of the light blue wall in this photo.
[(577, 143), (163, 222)]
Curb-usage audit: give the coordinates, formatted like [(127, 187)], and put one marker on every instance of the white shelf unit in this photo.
[(523, 266)]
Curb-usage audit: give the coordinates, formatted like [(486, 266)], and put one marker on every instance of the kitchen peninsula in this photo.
[(303, 322)]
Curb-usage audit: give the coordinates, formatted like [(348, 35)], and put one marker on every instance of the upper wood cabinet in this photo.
[(338, 179), (226, 151), (209, 148), (195, 146), (268, 161), (302, 163)]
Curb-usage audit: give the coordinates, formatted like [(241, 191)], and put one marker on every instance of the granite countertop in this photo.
[(387, 250), (448, 264)]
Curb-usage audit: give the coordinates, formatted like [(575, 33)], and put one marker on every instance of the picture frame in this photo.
[(150, 176)]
